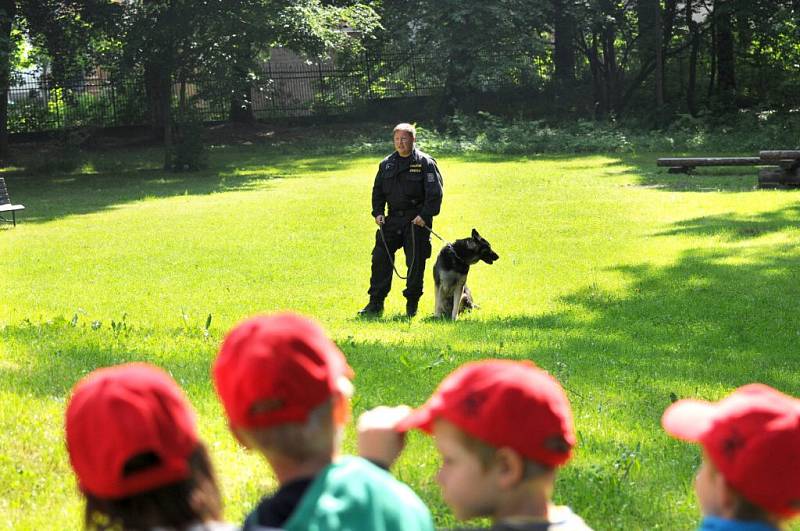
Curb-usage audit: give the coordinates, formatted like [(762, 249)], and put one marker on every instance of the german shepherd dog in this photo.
[(450, 273)]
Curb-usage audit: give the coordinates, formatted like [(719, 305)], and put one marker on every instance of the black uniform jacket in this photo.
[(409, 185)]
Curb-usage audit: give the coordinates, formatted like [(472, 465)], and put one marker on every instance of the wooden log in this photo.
[(774, 177), (779, 155), (770, 177), (788, 164), (687, 162)]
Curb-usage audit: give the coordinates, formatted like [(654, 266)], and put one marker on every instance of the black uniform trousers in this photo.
[(398, 232)]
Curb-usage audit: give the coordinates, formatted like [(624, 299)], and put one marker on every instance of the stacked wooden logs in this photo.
[(786, 169), (779, 168)]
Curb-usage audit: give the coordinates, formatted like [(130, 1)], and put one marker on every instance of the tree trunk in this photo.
[(241, 107), (241, 104), (659, 34), (611, 72), (694, 36), (459, 69), (564, 51), (712, 76), (154, 86), (648, 13), (8, 10), (796, 9), (646, 17), (166, 115), (600, 103), (726, 62)]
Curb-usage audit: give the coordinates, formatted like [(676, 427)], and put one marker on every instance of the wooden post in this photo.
[(776, 176)]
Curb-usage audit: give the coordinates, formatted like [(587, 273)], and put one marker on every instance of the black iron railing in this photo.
[(279, 90)]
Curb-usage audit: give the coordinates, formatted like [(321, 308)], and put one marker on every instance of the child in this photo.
[(285, 388), (502, 428), (750, 475), (133, 443)]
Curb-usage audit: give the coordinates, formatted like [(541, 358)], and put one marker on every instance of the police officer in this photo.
[(410, 183)]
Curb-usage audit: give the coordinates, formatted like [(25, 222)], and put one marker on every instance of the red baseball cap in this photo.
[(753, 438), (118, 413), (505, 404), (276, 369)]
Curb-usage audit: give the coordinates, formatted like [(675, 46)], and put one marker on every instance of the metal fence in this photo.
[(280, 90)]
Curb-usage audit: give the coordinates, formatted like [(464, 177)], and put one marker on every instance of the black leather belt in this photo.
[(401, 213)]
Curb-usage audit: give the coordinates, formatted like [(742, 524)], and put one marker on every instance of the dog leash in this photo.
[(434, 233), (413, 249), (447, 243), (391, 259)]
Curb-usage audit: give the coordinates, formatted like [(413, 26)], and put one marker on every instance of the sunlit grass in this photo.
[(627, 284)]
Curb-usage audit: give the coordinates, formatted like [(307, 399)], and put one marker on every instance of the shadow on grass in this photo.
[(133, 176), (707, 179), (115, 178), (59, 196), (713, 317), (734, 228), (110, 179)]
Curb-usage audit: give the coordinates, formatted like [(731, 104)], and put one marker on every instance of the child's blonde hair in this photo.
[(318, 436), (486, 455)]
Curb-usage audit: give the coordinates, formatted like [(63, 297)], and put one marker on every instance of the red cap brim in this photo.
[(689, 420)]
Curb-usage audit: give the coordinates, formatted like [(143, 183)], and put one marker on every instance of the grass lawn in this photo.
[(628, 284)]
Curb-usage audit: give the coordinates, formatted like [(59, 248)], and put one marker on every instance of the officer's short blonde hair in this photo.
[(408, 128)]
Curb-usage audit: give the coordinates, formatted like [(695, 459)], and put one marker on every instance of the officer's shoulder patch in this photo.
[(431, 177)]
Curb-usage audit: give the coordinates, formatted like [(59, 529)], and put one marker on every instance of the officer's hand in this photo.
[(378, 440), (379, 219), (418, 221)]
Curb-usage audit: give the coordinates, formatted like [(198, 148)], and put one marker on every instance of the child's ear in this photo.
[(241, 438), (341, 409), (728, 498), (509, 467)]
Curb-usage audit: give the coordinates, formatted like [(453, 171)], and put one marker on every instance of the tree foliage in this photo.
[(609, 57), (174, 41), (603, 58)]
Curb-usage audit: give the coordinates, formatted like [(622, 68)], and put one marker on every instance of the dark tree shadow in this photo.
[(707, 179), (135, 175), (733, 227)]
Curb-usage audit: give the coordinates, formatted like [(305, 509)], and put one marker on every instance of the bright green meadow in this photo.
[(631, 286)]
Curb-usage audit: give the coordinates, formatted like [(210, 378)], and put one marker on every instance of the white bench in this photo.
[(6, 205)]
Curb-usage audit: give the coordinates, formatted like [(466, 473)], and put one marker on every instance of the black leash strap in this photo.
[(413, 249), (434, 233), (447, 243), (391, 258)]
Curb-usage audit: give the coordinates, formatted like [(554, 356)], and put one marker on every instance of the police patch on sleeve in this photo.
[(430, 177)]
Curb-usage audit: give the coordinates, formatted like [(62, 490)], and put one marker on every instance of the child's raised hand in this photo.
[(378, 439)]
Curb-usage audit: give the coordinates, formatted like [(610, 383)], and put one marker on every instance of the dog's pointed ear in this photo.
[(475, 234)]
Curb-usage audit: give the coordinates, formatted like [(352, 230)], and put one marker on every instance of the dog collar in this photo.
[(456, 254)]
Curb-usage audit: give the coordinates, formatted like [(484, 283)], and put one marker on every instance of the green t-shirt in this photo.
[(353, 494)]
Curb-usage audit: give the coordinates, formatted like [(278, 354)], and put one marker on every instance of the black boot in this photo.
[(411, 307), (373, 309)]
